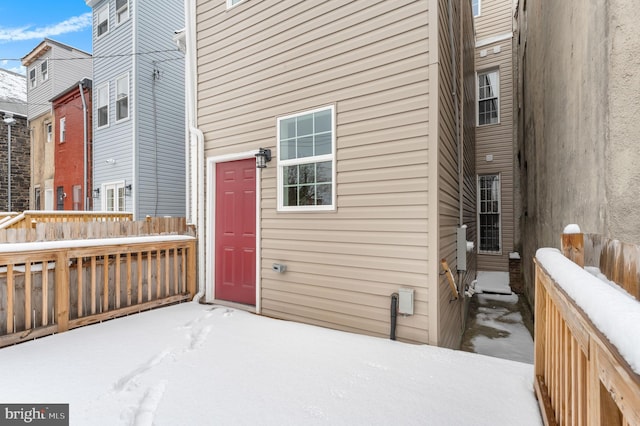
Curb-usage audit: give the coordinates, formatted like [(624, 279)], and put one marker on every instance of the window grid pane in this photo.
[(303, 137), (489, 212), (488, 104)]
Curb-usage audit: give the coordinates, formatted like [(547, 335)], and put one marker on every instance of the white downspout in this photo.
[(85, 143), (195, 143)]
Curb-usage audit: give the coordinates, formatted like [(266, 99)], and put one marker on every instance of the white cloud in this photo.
[(73, 24)]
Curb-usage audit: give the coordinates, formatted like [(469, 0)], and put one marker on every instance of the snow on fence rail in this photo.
[(587, 344), (53, 286)]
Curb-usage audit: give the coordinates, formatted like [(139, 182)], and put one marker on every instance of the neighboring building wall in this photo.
[(42, 159), (161, 110), (114, 159), (147, 148), (456, 197), (20, 167), (259, 61), (65, 65), (494, 142), (578, 121), (69, 154)]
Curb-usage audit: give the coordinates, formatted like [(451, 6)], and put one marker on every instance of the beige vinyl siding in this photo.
[(451, 313), (497, 140), (496, 18), (262, 60)]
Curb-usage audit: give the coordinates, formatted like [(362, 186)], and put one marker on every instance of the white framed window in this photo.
[(63, 129), (489, 212), (113, 199), (122, 11), (48, 128), (122, 97), (231, 3), (32, 78), (36, 198), (77, 197), (306, 161), (44, 69), (102, 21), (488, 97), (103, 105), (48, 198), (475, 6)]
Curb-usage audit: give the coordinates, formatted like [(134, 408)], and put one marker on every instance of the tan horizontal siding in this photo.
[(496, 18), (261, 60), (497, 140)]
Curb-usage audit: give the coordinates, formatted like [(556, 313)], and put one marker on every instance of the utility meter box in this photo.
[(461, 248), (405, 301)]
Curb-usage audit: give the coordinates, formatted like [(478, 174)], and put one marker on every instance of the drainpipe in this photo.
[(454, 81), (85, 144), (195, 142)]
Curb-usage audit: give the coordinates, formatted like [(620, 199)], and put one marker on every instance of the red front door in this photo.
[(235, 251)]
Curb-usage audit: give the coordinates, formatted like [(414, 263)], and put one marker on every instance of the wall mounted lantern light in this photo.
[(262, 158), (96, 193), (127, 190)]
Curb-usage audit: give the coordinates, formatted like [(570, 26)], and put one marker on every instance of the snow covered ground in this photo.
[(194, 364)]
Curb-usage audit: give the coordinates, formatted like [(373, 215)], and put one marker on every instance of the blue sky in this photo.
[(24, 23)]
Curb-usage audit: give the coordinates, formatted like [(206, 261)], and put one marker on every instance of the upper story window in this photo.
[(488, 97), (306, 161), (102, 21), (231, 3), (103, 105), (32, 78), (44, 69), (48, 128), (63, 129), (475, 6), (122, 97), (122, 11)]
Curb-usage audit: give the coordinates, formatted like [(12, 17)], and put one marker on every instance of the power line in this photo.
[(119, 55)]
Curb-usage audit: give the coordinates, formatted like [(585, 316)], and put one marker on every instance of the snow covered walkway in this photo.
[(202, 365)]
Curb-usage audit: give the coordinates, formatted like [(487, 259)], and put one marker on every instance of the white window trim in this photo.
[(48, 130), (307, 160), (98, 12), (98, 106), (44, 77), (33, 82), (126, 75), (478, 214), (479, 9), (118, 23), (63, 129), (119, 184), (231, 5), (486, 71)]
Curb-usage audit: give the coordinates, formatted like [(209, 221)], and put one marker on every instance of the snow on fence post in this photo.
[(573, 244)]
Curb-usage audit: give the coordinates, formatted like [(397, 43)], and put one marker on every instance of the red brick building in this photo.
[(73, 154)]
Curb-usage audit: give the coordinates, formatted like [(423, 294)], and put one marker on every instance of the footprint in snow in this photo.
[(197, 339), (149, 404), (127, 380)]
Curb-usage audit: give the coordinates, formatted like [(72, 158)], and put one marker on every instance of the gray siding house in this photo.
[(138, 107), (51, 68)]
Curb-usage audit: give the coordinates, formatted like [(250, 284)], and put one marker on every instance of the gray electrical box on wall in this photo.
[(405, 301), (461, 248)]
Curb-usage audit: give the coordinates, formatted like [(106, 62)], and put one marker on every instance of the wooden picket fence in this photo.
[(53, 285), (29, 218), (580, 377)]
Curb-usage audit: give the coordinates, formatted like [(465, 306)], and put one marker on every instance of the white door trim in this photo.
[(210, 267)]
